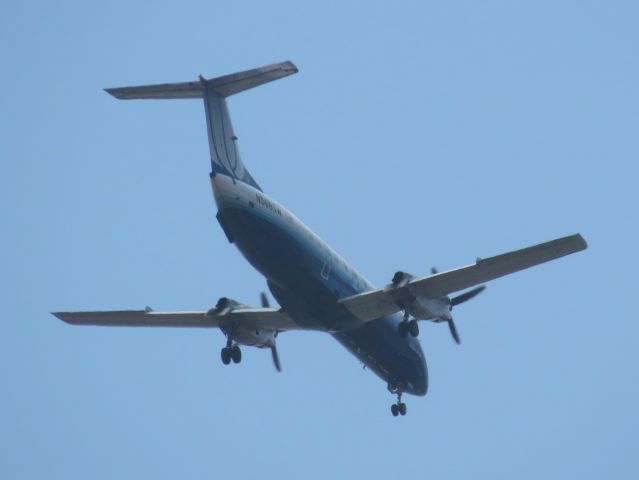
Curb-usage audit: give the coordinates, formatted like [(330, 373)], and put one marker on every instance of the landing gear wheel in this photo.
[(402, 328), (226, 356), (236, 354), (398, 408), (413, 328)]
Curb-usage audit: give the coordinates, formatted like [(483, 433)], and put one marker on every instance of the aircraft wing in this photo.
[(251, 318), (377, 303)]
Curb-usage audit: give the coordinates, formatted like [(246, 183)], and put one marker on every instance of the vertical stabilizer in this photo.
[(225, 155)]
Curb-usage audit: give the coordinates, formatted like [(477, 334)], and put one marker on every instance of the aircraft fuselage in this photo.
[(307, 278)]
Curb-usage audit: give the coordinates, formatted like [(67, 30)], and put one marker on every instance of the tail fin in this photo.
[(225, 156)]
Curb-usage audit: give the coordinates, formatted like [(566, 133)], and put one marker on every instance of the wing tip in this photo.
[(119, 92), (289, 66), (580, 242), (64, 316)]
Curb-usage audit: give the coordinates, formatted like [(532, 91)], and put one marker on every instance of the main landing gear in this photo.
[(231, 352), (408, 326), (405, 327)]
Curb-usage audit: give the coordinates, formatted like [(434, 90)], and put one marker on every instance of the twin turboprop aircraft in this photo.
[(316, 288)]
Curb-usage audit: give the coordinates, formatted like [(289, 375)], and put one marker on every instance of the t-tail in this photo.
[(225, 155)]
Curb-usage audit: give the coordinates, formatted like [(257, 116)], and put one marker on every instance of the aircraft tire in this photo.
[(394, 409), (413, 328), (402, 409), (402, 328), (236, 354), (226, 356)]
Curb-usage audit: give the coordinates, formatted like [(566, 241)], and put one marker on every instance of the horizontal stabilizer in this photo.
[(224, 86)]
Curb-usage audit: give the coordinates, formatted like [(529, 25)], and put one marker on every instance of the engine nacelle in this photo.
[(426, 308), (225, 305), (225, 302), (255, 338), (401, 278)]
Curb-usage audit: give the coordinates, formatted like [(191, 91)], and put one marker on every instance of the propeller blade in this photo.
[(222, 307), (464, 297), (276, 358), (264, 300), (219, 312), (453, 331)]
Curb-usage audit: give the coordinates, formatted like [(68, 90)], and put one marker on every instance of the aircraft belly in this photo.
[(294, 274), (396, 360), (287, 262)]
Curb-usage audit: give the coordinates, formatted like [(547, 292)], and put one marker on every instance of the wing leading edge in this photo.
[(378, 303), (251, 318)]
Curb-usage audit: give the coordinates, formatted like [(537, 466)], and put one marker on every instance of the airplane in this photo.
[(316, 288)]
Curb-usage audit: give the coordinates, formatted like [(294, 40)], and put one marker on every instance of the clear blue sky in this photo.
[(415, 134)]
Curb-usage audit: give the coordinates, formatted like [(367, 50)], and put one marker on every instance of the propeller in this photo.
[(464, 297), (276, 358), (264, 300), (266, 304), (222, 307), (453, 331)]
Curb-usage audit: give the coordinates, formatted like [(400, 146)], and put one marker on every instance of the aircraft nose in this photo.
[(418, 382)]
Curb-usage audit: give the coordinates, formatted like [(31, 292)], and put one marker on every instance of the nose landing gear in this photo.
[(398, 408)]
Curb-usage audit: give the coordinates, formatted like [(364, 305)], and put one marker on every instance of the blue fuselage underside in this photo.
[(307, 280)]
